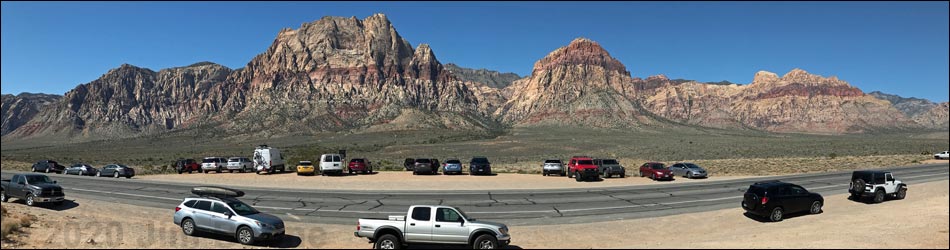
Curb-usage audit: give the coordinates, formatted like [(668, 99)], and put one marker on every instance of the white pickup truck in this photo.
[(433, 225)]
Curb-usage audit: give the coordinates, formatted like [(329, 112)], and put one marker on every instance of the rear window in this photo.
[(306, 163), (610, 162), (209, 160), (585, 162), (203, 205), (423, 161), (453, 162), (553, 161), (357, 161), (234, 160), (191, 203), (331, 158), (480, 160), (421, 213), (337, 158), (760, 191)]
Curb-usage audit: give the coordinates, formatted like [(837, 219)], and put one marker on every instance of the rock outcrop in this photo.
[(20, 109), (576, 85), (490, 78), (937, 117), (911, 107)]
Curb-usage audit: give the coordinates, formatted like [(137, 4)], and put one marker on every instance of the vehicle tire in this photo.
[(778, 214), (3, 196), (115, 174), (33, 169), (689, 175), (486, 242), (569, 174), (623, 175), (180, 171), (606, 174), (563, 173), (815, 207), (901, 193), (188, 227), (189, 171), (29, 200), (879, 196), (388, 241), (245, 235), (217, 171), (544, 173), (578, 178), (858, 186)]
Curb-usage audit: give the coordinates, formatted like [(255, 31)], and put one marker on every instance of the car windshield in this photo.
[(585, 162), (38, 179), (611, 162), (242, 209), (552, 162), (692, 166), (357, 161), (462, 213), (480, 160), (425, 161), (657, 166)]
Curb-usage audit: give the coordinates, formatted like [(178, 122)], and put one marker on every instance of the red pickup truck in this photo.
[(656, 171), (582, 168)]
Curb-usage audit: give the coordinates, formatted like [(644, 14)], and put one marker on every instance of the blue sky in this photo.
[(895, 47)]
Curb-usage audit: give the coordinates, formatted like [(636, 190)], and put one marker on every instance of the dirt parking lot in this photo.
[(407, 181), (920, 221)]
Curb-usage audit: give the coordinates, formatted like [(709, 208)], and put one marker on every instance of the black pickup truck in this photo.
[(32, 188)]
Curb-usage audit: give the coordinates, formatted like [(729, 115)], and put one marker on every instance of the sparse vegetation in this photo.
[(11, 223), (518, 150)]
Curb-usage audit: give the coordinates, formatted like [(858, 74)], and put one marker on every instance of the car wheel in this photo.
[(879, 196), (486, 242), (29, 200), (3, 196), (98, 174), (623, 175), (606, 174), (815, 207), (901, 193), (188, 227), (32, 169), (245, 236), (115, 174), (578, 178), (388, 241), (689, 175), (181, 171), (777, 214)]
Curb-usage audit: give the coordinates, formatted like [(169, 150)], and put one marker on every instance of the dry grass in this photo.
[(13, 222)]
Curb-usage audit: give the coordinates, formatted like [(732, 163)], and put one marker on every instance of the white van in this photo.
[(331, 164), (268, 159)]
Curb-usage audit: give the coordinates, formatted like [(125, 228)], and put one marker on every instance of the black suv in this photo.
[(479, 166), (410, 164), (775, 199)]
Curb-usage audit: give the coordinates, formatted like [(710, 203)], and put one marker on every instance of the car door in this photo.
[(202, 215), (16, 187), (449, 227), (219, 215), (799, 198), (419, 225), (889, 186)]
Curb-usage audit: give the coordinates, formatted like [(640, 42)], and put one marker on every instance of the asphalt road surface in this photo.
[(513, 207)]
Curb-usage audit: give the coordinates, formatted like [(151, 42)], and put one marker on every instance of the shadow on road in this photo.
[(67, 205), (787, 216), (286, 241), (421, 246)]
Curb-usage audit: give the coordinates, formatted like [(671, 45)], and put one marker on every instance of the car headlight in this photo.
[(260, 224), (503, 231)]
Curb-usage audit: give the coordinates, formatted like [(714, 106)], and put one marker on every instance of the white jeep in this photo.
[(876, 184)]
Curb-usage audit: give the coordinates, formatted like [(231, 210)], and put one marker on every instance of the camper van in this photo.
[(268, 160)]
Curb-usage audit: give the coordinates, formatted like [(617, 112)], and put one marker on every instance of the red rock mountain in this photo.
[(340, 73), (577, 85)]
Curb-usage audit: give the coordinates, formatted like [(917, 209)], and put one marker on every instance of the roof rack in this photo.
[(217, 192)]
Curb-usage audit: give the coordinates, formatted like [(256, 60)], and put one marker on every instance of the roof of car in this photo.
[(869, 172), (772, 183)]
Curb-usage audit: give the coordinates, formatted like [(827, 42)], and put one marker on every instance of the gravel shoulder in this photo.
[(920, 221), (407, 181)]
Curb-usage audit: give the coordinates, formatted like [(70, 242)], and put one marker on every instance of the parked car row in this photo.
[(82, 169)]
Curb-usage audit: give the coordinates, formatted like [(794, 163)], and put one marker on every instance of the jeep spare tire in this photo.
[(858, 186), (217, 191)]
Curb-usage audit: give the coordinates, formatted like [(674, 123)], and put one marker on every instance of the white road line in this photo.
[(293, 216), (136, 195)]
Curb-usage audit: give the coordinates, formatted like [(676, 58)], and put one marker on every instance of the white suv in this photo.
[(216, 164), (942, 155), (877, 184), (240, 164)]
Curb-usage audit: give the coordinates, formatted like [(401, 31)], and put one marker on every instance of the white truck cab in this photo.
[(331, 164)]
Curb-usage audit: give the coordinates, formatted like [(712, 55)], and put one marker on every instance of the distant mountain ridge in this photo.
[(349, 74)]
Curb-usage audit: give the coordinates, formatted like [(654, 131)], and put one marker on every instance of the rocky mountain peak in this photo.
[(764, 77), (580, 51)]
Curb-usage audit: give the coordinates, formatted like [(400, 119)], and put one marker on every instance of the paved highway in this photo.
[(514, 207)]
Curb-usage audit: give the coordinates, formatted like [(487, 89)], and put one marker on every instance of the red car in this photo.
[(187, 165), (359, 165), (656, 171), (582, 168)]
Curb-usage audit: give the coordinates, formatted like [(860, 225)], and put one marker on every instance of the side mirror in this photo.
[(54, 182), (228, 214)]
